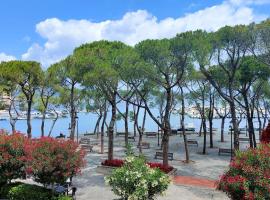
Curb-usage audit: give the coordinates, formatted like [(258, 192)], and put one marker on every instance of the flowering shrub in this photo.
[(12, 156), (249, 175), (160, 166), (113, 163), (53, 161), (120, 163), (136, 180), (265, 137)]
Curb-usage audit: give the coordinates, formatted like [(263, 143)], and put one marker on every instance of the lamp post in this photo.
[(158, 130), (231, 142), (77, 122)]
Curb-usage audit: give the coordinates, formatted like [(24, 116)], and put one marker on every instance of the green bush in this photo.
[(29, 192), (4, 189), (62, 198), (136, 180), (21, 191), (248, 177)]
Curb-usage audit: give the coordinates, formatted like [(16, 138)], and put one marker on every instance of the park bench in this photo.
[(131, 138), (144, 145), (84, 140), (192, 142), (225, 151), (243, 139), (122, 134), (85, 144), (173, 132), (151, 134), (87, 147), (159, 155), (88, 134)]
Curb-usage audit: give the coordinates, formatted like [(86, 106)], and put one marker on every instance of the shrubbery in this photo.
[(12, 156), (265, 137), (21, 191), (48, 160), (53, 161), (249, 175), (120, 163), (136, 180)]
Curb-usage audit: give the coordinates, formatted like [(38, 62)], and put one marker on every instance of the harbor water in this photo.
[(87, 121)]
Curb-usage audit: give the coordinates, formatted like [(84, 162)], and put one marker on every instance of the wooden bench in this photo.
[(188, 132), (122, 134), (243, 139), (192, 142), (84, 141), (144, 145), (131, 138), (87, 147), (225, 151), (159, 155), (88, 134), (151, 134)]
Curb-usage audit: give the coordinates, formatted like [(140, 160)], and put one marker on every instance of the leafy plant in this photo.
[(136, 180), (12, 156), (53, 161), (22, 191), (265, 137), (249, 175)]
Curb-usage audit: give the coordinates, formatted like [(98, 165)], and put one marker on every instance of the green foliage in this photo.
[(27, 74), (53, 161), (29, 192), (12, 156), (21, 191), (136, 180), (248, 176)]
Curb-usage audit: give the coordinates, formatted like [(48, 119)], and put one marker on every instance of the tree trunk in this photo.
[(96, 130), (259, 119), (200, 132), (54, 122), (138, 128), (29, 107), (102, 130), (111, 128), (235, 126), (211, 133), (249, 120), (126, 124), (72, 113), (166, 127), (144, 120), (12, 121), (183, 125), (210, 119), (222, 128)]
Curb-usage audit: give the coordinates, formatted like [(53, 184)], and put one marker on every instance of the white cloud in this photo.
[(63, 36), (249, 2), (5, 57)]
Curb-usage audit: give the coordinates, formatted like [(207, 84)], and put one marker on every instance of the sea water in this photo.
[(87, 121)]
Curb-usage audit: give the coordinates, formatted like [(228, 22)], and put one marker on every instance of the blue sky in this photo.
[(49, 30)]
